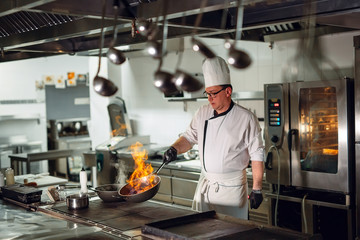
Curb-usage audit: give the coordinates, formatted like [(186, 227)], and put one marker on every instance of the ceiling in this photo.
[(38, 28)]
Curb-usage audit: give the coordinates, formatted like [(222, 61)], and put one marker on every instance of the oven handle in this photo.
[(291, 134)]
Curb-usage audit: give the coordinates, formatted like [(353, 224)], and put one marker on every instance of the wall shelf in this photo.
[(21, 117), (249, 95)]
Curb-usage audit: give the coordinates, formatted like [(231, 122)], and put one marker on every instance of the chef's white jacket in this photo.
[(228, 141)]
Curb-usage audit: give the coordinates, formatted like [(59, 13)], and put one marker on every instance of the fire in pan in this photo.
[(143, 184)]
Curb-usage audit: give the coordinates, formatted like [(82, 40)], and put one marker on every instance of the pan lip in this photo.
[(98, 188), (109, 195), (137, 194)]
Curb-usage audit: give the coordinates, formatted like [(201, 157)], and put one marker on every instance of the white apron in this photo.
[(224, 193)]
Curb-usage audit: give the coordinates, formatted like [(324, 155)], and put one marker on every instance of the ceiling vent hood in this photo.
[(39, 28)]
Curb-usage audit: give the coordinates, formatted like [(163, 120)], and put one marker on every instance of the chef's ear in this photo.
[(228, 90)]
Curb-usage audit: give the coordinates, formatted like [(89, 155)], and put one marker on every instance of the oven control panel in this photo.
[(274, 119), (274, 112)]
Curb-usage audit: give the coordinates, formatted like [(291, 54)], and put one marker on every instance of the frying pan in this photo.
[(109, 192), (126, 191)]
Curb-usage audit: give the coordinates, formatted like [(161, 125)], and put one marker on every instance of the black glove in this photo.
[(255, 198), (170, 155)]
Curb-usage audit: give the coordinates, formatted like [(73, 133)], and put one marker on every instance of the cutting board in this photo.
[(40, 179)]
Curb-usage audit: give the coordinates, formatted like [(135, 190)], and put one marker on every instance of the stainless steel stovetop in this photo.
[(122, 219)]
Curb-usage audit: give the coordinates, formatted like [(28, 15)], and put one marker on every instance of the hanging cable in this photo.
[(303, 212), (273, 147)]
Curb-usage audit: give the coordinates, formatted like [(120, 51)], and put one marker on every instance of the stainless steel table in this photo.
[(16, 159)]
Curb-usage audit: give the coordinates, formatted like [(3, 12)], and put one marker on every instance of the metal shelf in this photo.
[(21, 117), (250, 95)]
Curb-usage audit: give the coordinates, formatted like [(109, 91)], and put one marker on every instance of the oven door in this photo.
[(319, 116)]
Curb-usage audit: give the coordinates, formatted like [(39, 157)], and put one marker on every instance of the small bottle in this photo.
[(94, 176), (2, 183), (83, 181), (9, 174)]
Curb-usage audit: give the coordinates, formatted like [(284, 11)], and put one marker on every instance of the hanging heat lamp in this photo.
[(182, 79), (236, 57), (197, 45), (101, 85), (163, 80), (114, 55)]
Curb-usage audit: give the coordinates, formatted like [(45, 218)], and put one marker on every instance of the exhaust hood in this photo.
[(39, 28)]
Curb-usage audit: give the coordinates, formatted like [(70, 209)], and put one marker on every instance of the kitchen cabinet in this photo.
[(183, 185), (178, 185)]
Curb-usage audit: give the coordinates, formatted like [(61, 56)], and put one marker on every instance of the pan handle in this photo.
[(92, 189), (161, 166)]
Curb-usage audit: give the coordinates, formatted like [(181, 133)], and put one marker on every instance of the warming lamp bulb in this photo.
[(152, 51), (112, 57), (141, 28), (196, 48), (179, 81), (231, 60), (227, 45), (157, 83)]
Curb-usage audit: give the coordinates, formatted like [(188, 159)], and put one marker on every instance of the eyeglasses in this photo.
[(213, 95)]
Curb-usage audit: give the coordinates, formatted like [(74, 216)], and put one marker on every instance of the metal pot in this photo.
[(77, 201), (109, 192), (125, 191)]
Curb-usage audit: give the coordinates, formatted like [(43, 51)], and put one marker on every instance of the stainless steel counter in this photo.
[(18, 223), (184, 165), (122, 220)]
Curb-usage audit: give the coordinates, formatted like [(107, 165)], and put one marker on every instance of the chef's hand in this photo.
[(170, 155), (255, 198)]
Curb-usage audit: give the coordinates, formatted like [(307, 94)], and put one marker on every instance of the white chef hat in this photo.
[(216, 72)]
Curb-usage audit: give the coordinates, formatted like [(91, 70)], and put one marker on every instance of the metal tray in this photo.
[(208, 225), (196, 226)]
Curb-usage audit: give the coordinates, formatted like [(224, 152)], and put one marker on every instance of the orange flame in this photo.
[(138, 180), (121, 131)]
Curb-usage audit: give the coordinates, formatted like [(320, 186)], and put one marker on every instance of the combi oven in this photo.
[(309, 134)]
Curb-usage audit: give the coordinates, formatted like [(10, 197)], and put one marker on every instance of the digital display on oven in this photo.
[(274, 112)]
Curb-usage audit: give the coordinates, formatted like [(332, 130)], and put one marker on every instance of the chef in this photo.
[(228, 137)]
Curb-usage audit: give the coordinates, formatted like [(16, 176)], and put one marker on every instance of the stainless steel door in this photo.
[(319, 116), (357, 130)]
